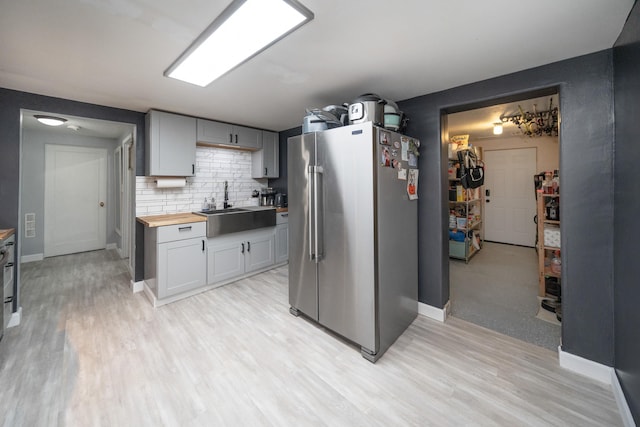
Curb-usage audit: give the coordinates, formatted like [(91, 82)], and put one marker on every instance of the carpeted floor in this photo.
[(498, 290)]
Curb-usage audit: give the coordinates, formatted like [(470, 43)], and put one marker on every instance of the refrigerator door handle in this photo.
[(317, 171), (310, 190)]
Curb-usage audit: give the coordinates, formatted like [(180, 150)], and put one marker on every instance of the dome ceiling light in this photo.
[(50, 120)]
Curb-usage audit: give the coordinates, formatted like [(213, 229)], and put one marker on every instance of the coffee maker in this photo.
[(268, 197), (281, 200)]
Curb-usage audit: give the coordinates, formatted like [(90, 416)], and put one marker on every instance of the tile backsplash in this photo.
[(213, 167)]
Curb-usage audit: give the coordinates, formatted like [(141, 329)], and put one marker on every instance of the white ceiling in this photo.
[(114, 52), (86, 127)]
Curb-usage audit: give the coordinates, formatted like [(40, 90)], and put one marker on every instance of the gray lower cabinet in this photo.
[(170, 145), (227, 135), (282, 237), (265, 162), (236, 254), (175, 259)]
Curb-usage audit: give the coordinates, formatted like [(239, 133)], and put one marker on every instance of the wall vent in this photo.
[(29, 225)]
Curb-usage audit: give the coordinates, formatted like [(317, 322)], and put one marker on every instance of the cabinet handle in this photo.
[(203, 246), (184, 228), (284, 215), (265, 171), (230, 138), (242, 248), (9, 244), (236, 138), (248, 246), (8, 265), (193, 169), (7, 300)]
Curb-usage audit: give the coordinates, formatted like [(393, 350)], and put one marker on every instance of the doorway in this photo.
[(510, 202), (497, 287), (43, 203), (75, 199)]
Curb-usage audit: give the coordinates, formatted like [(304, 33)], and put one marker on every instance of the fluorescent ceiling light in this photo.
[(244, 29), (49, 120)]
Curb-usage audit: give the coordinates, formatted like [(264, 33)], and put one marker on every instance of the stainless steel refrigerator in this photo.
[(353, 225)]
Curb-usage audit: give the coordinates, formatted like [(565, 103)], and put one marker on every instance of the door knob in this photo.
[(101, 204)]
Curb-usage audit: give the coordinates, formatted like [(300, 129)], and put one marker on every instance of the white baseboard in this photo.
[(599, 372), (137, 286), (31, 258), (111, 246), (439, 314), (15, 318), (149, 294), (621, 400), (588, 368)]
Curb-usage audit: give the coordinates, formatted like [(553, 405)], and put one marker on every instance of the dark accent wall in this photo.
[(280, 183), (626, 60), (11, 102), (585, 86)]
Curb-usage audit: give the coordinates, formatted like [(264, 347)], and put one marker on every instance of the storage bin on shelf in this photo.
[(465, 225)]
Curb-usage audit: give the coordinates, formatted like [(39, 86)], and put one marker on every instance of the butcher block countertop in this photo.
[(279, 210), (6, 233), (170, 219)]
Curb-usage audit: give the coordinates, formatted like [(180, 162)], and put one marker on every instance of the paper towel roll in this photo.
[(171, 182)]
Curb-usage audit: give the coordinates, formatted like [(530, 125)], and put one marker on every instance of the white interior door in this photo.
[(510, 203), (75, 199)]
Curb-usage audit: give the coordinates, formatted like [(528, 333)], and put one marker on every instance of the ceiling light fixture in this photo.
[(244, 29), (49, 120), (497, 128)]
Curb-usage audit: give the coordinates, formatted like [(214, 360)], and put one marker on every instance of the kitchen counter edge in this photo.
[(6, 233), (170, 219)]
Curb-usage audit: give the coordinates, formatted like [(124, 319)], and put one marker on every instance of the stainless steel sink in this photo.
[(232, 220), (221, 211)]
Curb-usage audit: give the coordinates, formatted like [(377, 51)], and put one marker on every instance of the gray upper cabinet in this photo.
[(265, 163), (226, 135), (170, 146)]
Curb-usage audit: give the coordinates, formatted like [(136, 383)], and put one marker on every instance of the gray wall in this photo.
[(627, 203), (33, 163), (586, 163)]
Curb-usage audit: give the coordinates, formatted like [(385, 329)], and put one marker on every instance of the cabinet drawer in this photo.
[(170, 233), (282, 218)]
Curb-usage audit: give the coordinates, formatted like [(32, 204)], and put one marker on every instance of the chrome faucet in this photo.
[(226, 195)]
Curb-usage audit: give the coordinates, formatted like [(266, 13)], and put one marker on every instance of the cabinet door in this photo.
[(182, 266), (247, 137), (225, 261), (215, 132), (170, 144), (260, 252), (265, 162), (282, 243)]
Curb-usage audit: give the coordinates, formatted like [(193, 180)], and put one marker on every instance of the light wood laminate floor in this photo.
[(91, 353)]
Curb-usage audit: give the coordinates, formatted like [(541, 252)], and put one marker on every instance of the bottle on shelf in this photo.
[(547, 184), (555, 182)]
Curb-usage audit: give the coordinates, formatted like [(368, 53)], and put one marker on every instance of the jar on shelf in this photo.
[(556, 263)]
